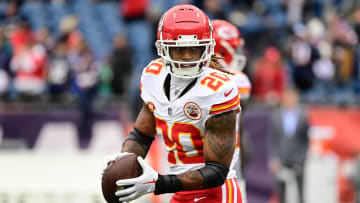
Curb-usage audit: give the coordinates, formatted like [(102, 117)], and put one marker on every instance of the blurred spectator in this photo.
[(324, 71), (356, 20), (21, 36), (69, 30), (213, 8), (356, 73), (288, 145), (74, 40), (269, 77), (44, 38), (11, 16), (344, 39), (85, 74), (317, 7), (139, 33), (134, 9), (106, 77), (59, 71), (68, 24), (29, 67), (294, 10), (121, 63), (5, 57), (302, 55), (85, 78)]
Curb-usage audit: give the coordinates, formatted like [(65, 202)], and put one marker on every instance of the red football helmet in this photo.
[(229, 44), (185, 26)]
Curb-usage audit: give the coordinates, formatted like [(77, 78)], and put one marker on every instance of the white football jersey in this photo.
[(244, 87), (243, 83), (181, 121)]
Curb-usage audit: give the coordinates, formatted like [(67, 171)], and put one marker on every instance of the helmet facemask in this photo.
[(176, 67)]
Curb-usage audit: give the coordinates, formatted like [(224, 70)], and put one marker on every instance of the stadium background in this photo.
[(85, 58)]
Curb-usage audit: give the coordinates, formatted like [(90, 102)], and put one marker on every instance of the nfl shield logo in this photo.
[(170, 111)]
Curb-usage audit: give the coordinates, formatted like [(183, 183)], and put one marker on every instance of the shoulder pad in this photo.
[(225, 95)]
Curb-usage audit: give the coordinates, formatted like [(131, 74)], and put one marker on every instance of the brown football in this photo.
[(123, 167)]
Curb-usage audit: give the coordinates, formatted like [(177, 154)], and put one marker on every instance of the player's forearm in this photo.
[(191, 180), (140, 138), (212, 175), (133, 146)]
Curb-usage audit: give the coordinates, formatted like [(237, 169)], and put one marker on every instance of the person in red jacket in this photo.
[(269, 77)]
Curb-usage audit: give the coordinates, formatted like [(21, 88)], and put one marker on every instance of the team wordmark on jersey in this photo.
[(192, 111)]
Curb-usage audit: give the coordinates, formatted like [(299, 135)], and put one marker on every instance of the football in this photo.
[(123, 167)]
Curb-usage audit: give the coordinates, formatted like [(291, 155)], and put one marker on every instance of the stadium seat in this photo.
[(109, 17), (33, 10), (107, 137), (3, 6), (57, 137), (55, 12)]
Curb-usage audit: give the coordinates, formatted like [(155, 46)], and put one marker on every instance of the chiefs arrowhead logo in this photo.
[(192, 111)]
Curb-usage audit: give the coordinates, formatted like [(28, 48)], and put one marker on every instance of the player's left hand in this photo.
[(139, 186)]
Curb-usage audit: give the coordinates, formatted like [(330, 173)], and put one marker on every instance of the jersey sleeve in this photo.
[(151, 73), (227, 99), (243, 84)]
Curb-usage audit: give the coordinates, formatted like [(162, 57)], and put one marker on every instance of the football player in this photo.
[(193, 107), (229, 46)]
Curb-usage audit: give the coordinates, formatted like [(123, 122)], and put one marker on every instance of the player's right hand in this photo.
[(133, 188), (110, 158)]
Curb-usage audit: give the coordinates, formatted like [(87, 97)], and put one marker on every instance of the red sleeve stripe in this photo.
[(237, 141), (226, 106)]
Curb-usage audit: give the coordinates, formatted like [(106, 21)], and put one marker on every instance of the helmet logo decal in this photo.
[(192, 111), (227, 33)]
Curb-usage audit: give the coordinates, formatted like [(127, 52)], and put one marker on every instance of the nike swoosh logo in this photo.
[(227, 93), (153, 181), (200, 198)]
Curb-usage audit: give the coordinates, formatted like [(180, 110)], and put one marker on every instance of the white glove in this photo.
[(110, 158), (138, 186)]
